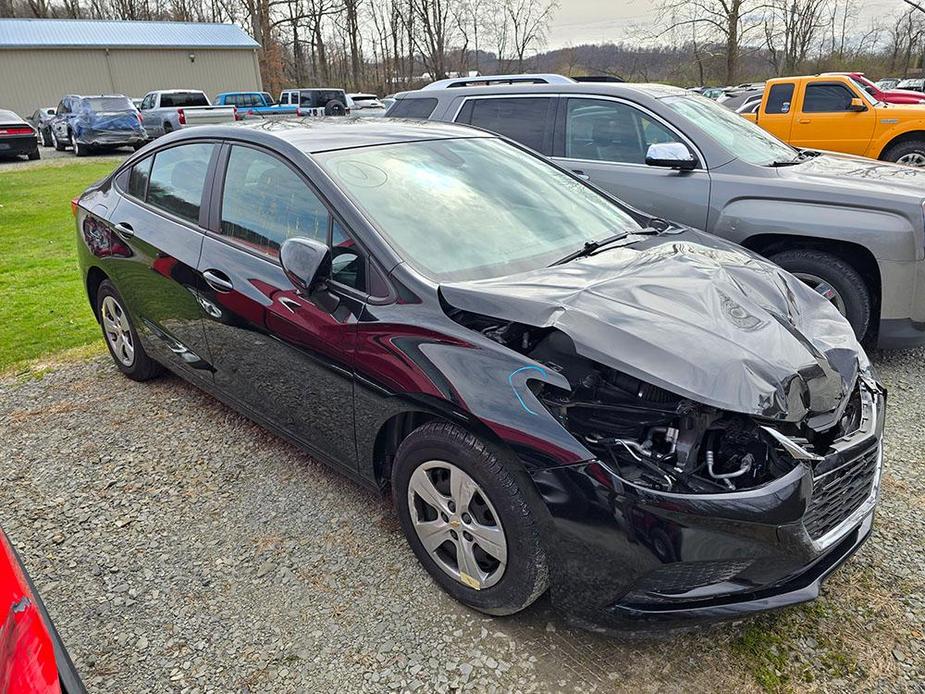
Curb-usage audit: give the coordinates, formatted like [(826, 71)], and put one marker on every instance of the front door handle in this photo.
[(218, 280), (805, 121), (124, 229), (581, 174)]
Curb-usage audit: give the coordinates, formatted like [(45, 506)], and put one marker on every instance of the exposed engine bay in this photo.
[(651, 436)]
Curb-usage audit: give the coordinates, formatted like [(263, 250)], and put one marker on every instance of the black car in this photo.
[(559, 392), (17, 137), (41, 120)]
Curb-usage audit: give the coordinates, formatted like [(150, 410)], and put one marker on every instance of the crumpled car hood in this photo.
[(693, 314), (860, 175)]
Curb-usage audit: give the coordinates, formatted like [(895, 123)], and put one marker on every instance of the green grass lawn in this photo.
[(43, 306)]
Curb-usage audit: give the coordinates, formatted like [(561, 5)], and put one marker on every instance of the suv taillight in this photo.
[(181, 116)]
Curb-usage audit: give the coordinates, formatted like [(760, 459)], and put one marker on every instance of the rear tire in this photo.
[(34, 154), (120, 336), (841, 277), (910, 153), (58, 145), (45, 137), (491, 506), (80, 150), (335, 107)]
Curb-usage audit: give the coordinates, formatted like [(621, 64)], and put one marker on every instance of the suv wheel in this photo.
[(121, 338), (58, 145), (834, 279), (79, 149), (467, 520)]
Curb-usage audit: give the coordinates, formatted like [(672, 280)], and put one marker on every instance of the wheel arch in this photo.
[(908, 136), (857, 256), (95, 277), (397, 427)]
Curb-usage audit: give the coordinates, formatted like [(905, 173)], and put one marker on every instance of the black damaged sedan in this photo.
[(560, 393)]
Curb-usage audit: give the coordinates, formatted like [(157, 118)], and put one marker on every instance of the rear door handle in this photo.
[(124, 229), (804, 121), (218, 280), (581, 174)]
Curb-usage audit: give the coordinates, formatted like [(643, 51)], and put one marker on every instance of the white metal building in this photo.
[(41, 60)]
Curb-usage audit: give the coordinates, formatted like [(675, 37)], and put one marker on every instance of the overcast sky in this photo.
[(600, 21)]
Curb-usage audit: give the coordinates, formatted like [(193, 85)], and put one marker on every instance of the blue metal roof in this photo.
[(85, 33)]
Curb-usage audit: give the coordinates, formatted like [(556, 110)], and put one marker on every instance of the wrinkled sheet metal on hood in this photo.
[(690, 313)]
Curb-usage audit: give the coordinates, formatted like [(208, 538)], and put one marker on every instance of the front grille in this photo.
[(680, 577), (840, 492)]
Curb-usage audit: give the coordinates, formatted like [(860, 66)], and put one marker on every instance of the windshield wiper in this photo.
[(591, 247), (801, 156)]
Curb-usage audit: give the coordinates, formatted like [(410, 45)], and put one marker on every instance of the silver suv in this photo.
[(851, 228)]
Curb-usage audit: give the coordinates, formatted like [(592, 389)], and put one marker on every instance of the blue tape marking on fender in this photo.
[(510, 379)]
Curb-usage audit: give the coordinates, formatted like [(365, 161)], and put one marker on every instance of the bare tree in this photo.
[(728, 21), (529, 21), (791, 30)]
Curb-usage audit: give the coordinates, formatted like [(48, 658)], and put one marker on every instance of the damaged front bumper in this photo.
[(623, 555)]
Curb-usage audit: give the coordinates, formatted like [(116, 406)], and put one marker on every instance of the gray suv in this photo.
[(852, 228)]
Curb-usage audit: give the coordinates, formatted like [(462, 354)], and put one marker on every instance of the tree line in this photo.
[(390, 45)]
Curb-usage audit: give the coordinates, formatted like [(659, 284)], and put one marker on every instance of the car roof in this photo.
[(656, 91), (316, 134)]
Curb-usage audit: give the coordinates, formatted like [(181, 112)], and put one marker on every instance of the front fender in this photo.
[(888, 235), (883, 138)]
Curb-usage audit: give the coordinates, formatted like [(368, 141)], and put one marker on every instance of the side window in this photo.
[(61, 108), (178, 176), (347, 265), (522, 119), (284, 98), (601, 130), (138, 178), (827, 98), (147, 102), (264, 202), (779, 99), (413, 108)]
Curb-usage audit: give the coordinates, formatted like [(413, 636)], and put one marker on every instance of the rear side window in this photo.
[(138, 178), (827, 98), (779, 99), (183, 99), (178, 177), (413, 108), (264, 202), (522, 119)]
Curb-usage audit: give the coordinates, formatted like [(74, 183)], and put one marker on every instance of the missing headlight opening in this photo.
[(650, 436)]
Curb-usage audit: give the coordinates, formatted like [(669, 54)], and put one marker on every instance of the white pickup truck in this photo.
[(166, 110)]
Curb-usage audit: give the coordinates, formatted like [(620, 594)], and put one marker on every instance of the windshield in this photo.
[(472, 208), (740, 137), (103, 104), (910, 84)]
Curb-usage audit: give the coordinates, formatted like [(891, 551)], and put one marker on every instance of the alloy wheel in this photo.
[(912, 159), (117, 330), (824, 289), (457, 524)]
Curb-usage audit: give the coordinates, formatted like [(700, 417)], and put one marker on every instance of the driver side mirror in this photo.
[(857, 105), (671, 155), (306, 262)]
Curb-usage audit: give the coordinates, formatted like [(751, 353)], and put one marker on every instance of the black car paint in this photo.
[(345, 384)]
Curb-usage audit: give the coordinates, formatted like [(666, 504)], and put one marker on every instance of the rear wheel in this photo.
[(34, 154), (45, 137), (910, 153), (467, 520), (121, 339), (834, 279), (80, 150), (58, 145), (334, 107)]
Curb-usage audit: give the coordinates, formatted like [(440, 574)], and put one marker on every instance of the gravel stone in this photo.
[(180, 547)]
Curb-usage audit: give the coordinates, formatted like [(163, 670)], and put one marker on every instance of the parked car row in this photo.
[(850, 228)]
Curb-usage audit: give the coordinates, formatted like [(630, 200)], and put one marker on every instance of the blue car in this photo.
[(255, 104), (85, 123)]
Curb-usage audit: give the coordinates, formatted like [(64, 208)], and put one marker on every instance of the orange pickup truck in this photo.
[(835, 113)]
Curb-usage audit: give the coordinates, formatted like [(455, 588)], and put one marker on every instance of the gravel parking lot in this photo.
[(180, 547)]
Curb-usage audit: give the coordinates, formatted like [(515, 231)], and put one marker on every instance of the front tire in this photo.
[(467, 519), (45, 137), (120, 336), (58, 145), (910, 153), (834, 279)]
